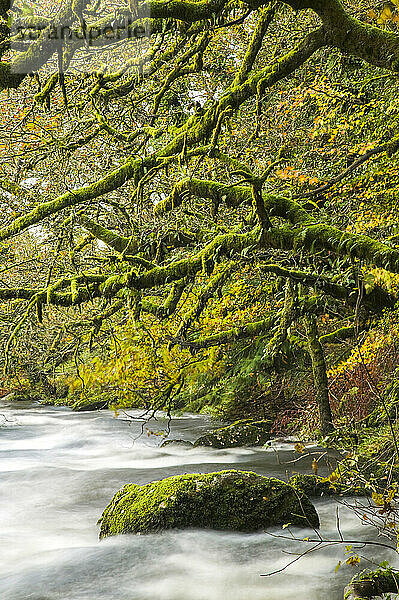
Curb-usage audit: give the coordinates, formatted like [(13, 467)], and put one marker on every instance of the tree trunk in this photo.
[(319, 374)]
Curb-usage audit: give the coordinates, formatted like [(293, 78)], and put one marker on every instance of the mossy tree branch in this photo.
[(376, 46), (283, 224), (111, 238)]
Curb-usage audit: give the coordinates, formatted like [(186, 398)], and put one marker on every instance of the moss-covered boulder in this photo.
[(240, 433), (314, 486), (226, 500)]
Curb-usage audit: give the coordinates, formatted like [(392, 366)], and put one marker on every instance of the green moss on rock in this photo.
[(311, 485), (96, 400), (226, 500), (91, 406), (314, 486), (240, 433)]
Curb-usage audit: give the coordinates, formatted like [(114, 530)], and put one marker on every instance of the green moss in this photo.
[(111, 238), (370, 584), (110, 182), (240, 433), (226, 500), (21, 396), (314, 486), (320, 380), (337, 336), (91, 406), (235, 333), (316, 237)]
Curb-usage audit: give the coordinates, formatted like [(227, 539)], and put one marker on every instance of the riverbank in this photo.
[(62, 468)]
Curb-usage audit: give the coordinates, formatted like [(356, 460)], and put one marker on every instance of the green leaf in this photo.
[(27, 10)]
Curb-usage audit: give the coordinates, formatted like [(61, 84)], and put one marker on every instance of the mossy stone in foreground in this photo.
[(311, 485), (338, 484), (240, 433), (226, 500), (314, 486)]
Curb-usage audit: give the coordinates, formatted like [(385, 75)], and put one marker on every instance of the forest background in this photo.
[(199, 212), (203, 217)]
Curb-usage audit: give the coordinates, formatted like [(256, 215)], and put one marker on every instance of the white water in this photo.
[(58, 471)]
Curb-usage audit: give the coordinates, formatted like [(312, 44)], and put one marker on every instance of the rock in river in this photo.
[(179, 442), (240, 433), (226, 500)]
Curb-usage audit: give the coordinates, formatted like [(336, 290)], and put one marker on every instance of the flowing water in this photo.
[(59, 470)]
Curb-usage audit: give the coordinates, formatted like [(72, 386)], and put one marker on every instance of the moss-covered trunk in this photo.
[(319, 374)]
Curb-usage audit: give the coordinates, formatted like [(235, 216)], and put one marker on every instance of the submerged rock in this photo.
[(240, 433), (177, 443), (226, 500)]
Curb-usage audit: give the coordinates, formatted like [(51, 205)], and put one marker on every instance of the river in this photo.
[(59, 469)]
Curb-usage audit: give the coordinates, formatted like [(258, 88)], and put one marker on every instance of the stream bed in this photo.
[(59, 469)]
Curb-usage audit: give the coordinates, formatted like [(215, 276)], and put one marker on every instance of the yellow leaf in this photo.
[(353, 560), (378, 499), (386, 13)]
